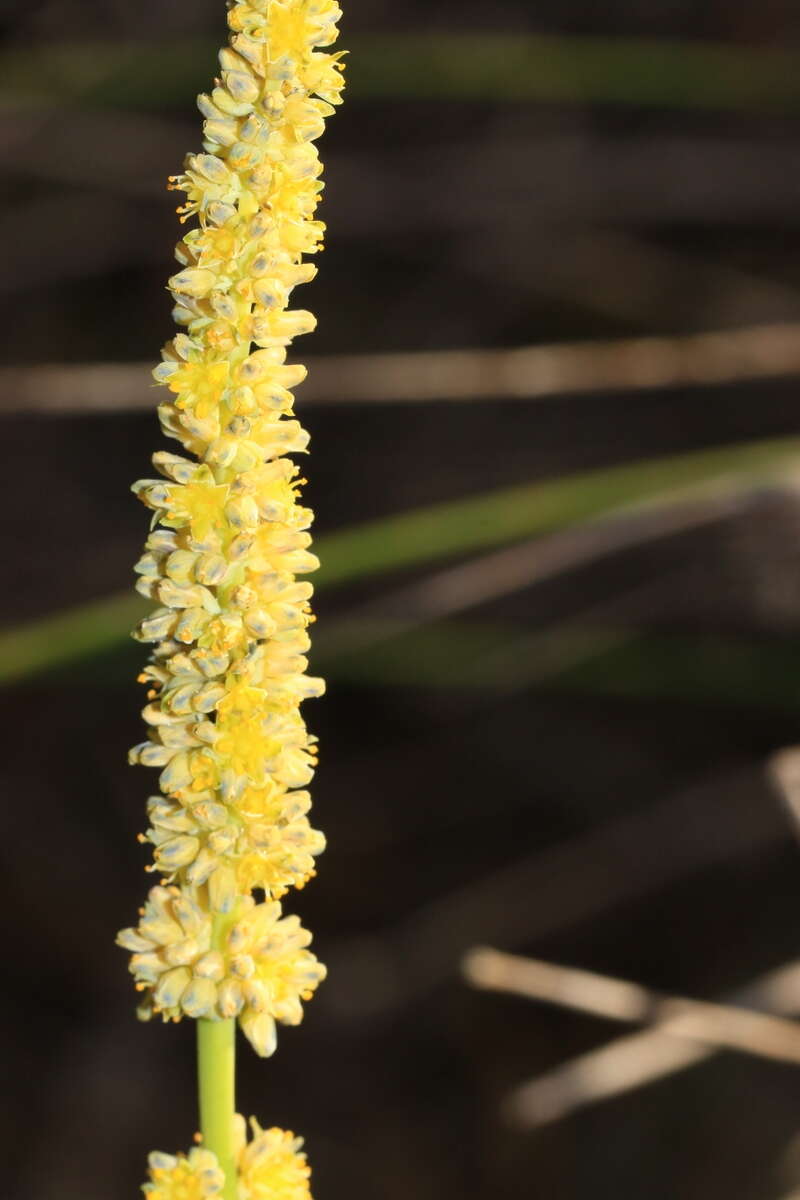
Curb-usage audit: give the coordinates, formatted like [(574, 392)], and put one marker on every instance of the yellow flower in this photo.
[(201, 504), (241, 741), (259, 969), (322, 74), (200, 385), (273, 1167), (225, 847), (176, 1177), (289, 29)]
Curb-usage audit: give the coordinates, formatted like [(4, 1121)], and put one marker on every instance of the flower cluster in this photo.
[(229, 540), (178, 1177), (224, 566), (253, 965), (270, 1167)]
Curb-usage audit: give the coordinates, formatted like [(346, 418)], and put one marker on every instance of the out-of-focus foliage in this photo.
[(521, 67), (420, 537)]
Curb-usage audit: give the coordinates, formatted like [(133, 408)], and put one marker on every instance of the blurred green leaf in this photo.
[(465, 66), (490, 519), (77, 632), (425, 535), (736, 671), (568, 69), (706, 668)]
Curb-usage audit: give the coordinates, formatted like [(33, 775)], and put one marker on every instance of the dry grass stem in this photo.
[(524, 373), (619, 1000), (637, 1059)]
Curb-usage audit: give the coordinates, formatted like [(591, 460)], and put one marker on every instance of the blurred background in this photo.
[(555, 462)]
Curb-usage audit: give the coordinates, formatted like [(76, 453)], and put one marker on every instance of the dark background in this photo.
[(601, 804)]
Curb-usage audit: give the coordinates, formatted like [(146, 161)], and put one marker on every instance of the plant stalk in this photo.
[(216, 1068)]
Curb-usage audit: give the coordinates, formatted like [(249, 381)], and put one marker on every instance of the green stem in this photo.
[(216, 1061)]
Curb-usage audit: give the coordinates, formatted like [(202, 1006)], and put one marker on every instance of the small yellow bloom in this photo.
[(175, 1177), (273, 1167), (260, 970), (200, 385), (200, 504)]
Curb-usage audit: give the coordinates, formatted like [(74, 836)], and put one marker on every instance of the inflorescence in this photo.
[(229, 540), (271, 1166)]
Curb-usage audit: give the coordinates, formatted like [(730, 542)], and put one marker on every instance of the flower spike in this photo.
[(225, 566)]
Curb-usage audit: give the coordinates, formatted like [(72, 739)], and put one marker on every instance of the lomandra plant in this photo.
[(229, 830)]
